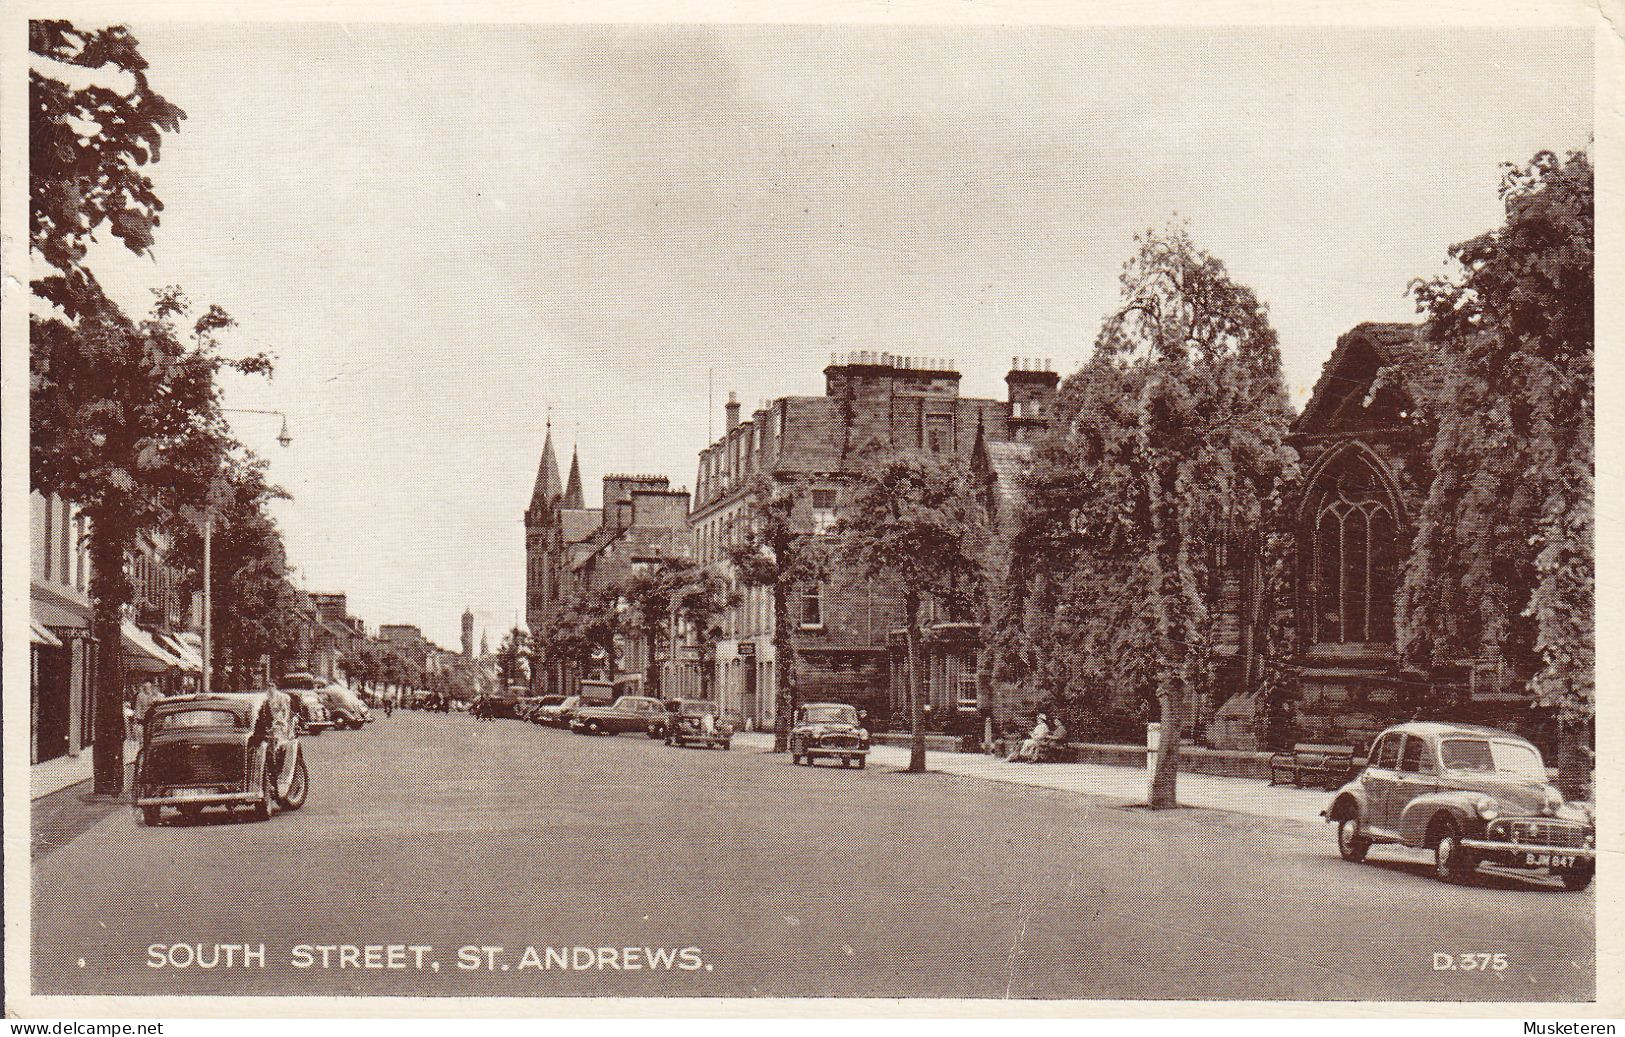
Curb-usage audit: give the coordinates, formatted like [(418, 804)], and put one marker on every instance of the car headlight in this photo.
[(1554, 800), (1487, 808)]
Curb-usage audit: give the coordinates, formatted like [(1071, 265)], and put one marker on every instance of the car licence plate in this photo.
[(1548, 860)]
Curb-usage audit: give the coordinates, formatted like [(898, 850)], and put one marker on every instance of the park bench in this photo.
[(1312, 763)]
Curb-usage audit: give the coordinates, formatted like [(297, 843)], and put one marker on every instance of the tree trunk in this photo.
[(784, 670), (1574, 758), (916, 711), (1165, 780), (110, 588)]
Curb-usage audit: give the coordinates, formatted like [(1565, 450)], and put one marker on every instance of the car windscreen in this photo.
[(195, 718), (1479, 754), (831, 715)]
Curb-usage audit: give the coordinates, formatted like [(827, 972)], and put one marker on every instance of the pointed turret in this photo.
[(547, 491), (572, 492)]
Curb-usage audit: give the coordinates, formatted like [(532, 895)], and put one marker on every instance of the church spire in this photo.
[(572, 492), (546, 493)]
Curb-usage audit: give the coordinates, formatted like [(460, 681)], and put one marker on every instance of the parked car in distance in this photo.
[(627, 713), (224, 749), (557, 714), (829, 730), (345, 705), (1473, 795), (304, 690), (538, 714), (310, 716), (694, 722)]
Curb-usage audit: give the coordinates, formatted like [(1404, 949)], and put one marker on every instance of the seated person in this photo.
[(1028, 753)]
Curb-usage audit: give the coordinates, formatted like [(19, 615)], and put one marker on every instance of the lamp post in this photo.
[(284, 440)]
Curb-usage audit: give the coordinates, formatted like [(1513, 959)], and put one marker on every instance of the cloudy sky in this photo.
[(441, 232)]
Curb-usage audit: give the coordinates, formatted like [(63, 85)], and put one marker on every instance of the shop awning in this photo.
[(191, 662), (143, 652), (37, 634)]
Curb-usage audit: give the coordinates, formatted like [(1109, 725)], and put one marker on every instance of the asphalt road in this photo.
[(448, 833)]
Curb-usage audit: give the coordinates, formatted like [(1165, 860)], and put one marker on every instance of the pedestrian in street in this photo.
[(145, 696)]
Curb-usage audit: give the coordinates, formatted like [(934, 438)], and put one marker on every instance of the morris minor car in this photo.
[(829, 730), (227, 750), (1473, 795)]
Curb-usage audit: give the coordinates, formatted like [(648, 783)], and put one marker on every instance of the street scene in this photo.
[(760, 512), (780, 876)]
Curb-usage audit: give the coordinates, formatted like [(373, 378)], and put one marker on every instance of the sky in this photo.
[(443, 234)]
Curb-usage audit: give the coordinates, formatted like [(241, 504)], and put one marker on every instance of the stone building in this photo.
[(1356, 439), (572, 549), (873, 404), (155, 644)]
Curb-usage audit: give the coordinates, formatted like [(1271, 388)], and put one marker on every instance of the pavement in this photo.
[(67, 771), (739, 874), (1120, 786)]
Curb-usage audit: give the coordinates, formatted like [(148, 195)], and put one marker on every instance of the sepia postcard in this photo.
[(1012, 509)]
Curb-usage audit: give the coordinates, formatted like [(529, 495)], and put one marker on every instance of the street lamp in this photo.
[(284, 440)]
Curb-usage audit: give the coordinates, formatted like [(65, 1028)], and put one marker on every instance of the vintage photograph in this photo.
[(1049, 513)]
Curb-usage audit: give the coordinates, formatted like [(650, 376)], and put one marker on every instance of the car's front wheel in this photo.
[(266, 804), (1350, 843), (1451, 861), (150, 816), (298, 787), (1578, 879)]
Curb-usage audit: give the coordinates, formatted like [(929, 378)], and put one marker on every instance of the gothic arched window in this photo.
[(1354, 558)]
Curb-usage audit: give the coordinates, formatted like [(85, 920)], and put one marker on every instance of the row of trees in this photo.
[(1167, 464), (915, 521), (1167, 468), (125, 412), (649, 608)]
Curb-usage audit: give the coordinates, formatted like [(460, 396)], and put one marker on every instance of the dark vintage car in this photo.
[(1473, 795), (310, 716), (830, 730), (694, 722), (346, 706), (627, 713), (220, 750)]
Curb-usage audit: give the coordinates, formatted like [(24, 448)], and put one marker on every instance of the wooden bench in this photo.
[(1324, 766)]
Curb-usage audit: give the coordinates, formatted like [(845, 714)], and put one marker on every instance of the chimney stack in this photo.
[(733, 412)]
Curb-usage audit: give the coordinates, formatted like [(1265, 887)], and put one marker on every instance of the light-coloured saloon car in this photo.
[(1473, 795)]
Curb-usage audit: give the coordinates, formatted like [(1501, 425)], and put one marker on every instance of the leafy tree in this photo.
[(916, 522), (649, 605), (701, 598), (254, 602), (1168, 445), (582, 629), (677, 589), (778, 551), (124, 416), (125, 422), (514, 658), (1502, 563)]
